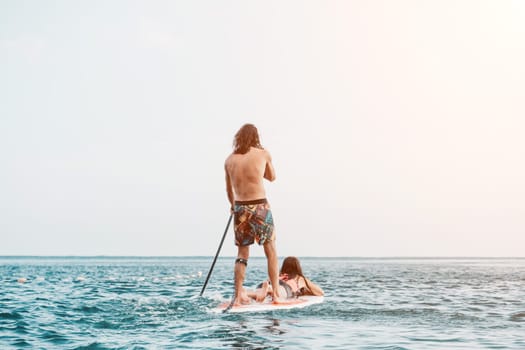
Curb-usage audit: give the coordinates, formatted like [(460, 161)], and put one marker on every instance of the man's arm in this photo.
[(229, 189), (269, 171)]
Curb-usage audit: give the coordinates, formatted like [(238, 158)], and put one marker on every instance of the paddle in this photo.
[(217, 254)]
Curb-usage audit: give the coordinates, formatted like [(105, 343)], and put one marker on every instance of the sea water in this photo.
[(154, 303)]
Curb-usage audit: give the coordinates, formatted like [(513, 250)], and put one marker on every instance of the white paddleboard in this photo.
[(268, 305)]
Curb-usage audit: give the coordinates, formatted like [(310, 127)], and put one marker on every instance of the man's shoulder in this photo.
[(233, 158), (229, 159), (261, 151), (266, 154)]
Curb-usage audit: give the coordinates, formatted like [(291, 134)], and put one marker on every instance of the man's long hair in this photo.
[(246, 137)]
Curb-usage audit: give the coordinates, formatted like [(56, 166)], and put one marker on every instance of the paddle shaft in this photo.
[(216, 254)]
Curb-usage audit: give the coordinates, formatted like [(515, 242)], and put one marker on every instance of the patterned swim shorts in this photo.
[(253, 222)]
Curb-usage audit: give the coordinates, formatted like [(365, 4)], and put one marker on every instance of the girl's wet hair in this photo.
[(292, 267)]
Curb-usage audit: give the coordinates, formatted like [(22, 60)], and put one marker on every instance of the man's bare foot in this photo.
[(262, 292), (240, 302), (242, 298), (278, 298)]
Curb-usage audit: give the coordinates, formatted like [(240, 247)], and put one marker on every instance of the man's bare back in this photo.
[(245, 174)]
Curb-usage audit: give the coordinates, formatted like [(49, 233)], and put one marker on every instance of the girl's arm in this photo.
[(313, 288)]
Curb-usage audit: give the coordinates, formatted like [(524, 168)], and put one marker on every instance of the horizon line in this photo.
[(263, 257)]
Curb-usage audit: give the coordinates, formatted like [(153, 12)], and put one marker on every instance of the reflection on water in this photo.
[(274, 328)]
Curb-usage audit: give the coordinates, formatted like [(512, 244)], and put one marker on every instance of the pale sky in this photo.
[(396, 127)]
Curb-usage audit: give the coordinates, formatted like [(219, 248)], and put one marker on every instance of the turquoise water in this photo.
[(153, 303)]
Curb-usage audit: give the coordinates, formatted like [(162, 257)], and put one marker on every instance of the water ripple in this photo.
[(136, 303)]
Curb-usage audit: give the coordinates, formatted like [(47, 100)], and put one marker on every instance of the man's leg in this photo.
[(243, 253), (273, 268)]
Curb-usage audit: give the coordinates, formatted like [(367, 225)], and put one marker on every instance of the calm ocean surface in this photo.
[(153, 303)]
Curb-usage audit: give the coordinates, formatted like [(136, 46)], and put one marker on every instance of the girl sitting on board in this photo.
[(292, 283)]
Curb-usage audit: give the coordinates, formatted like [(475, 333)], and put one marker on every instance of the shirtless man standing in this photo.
[(246, 168)]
